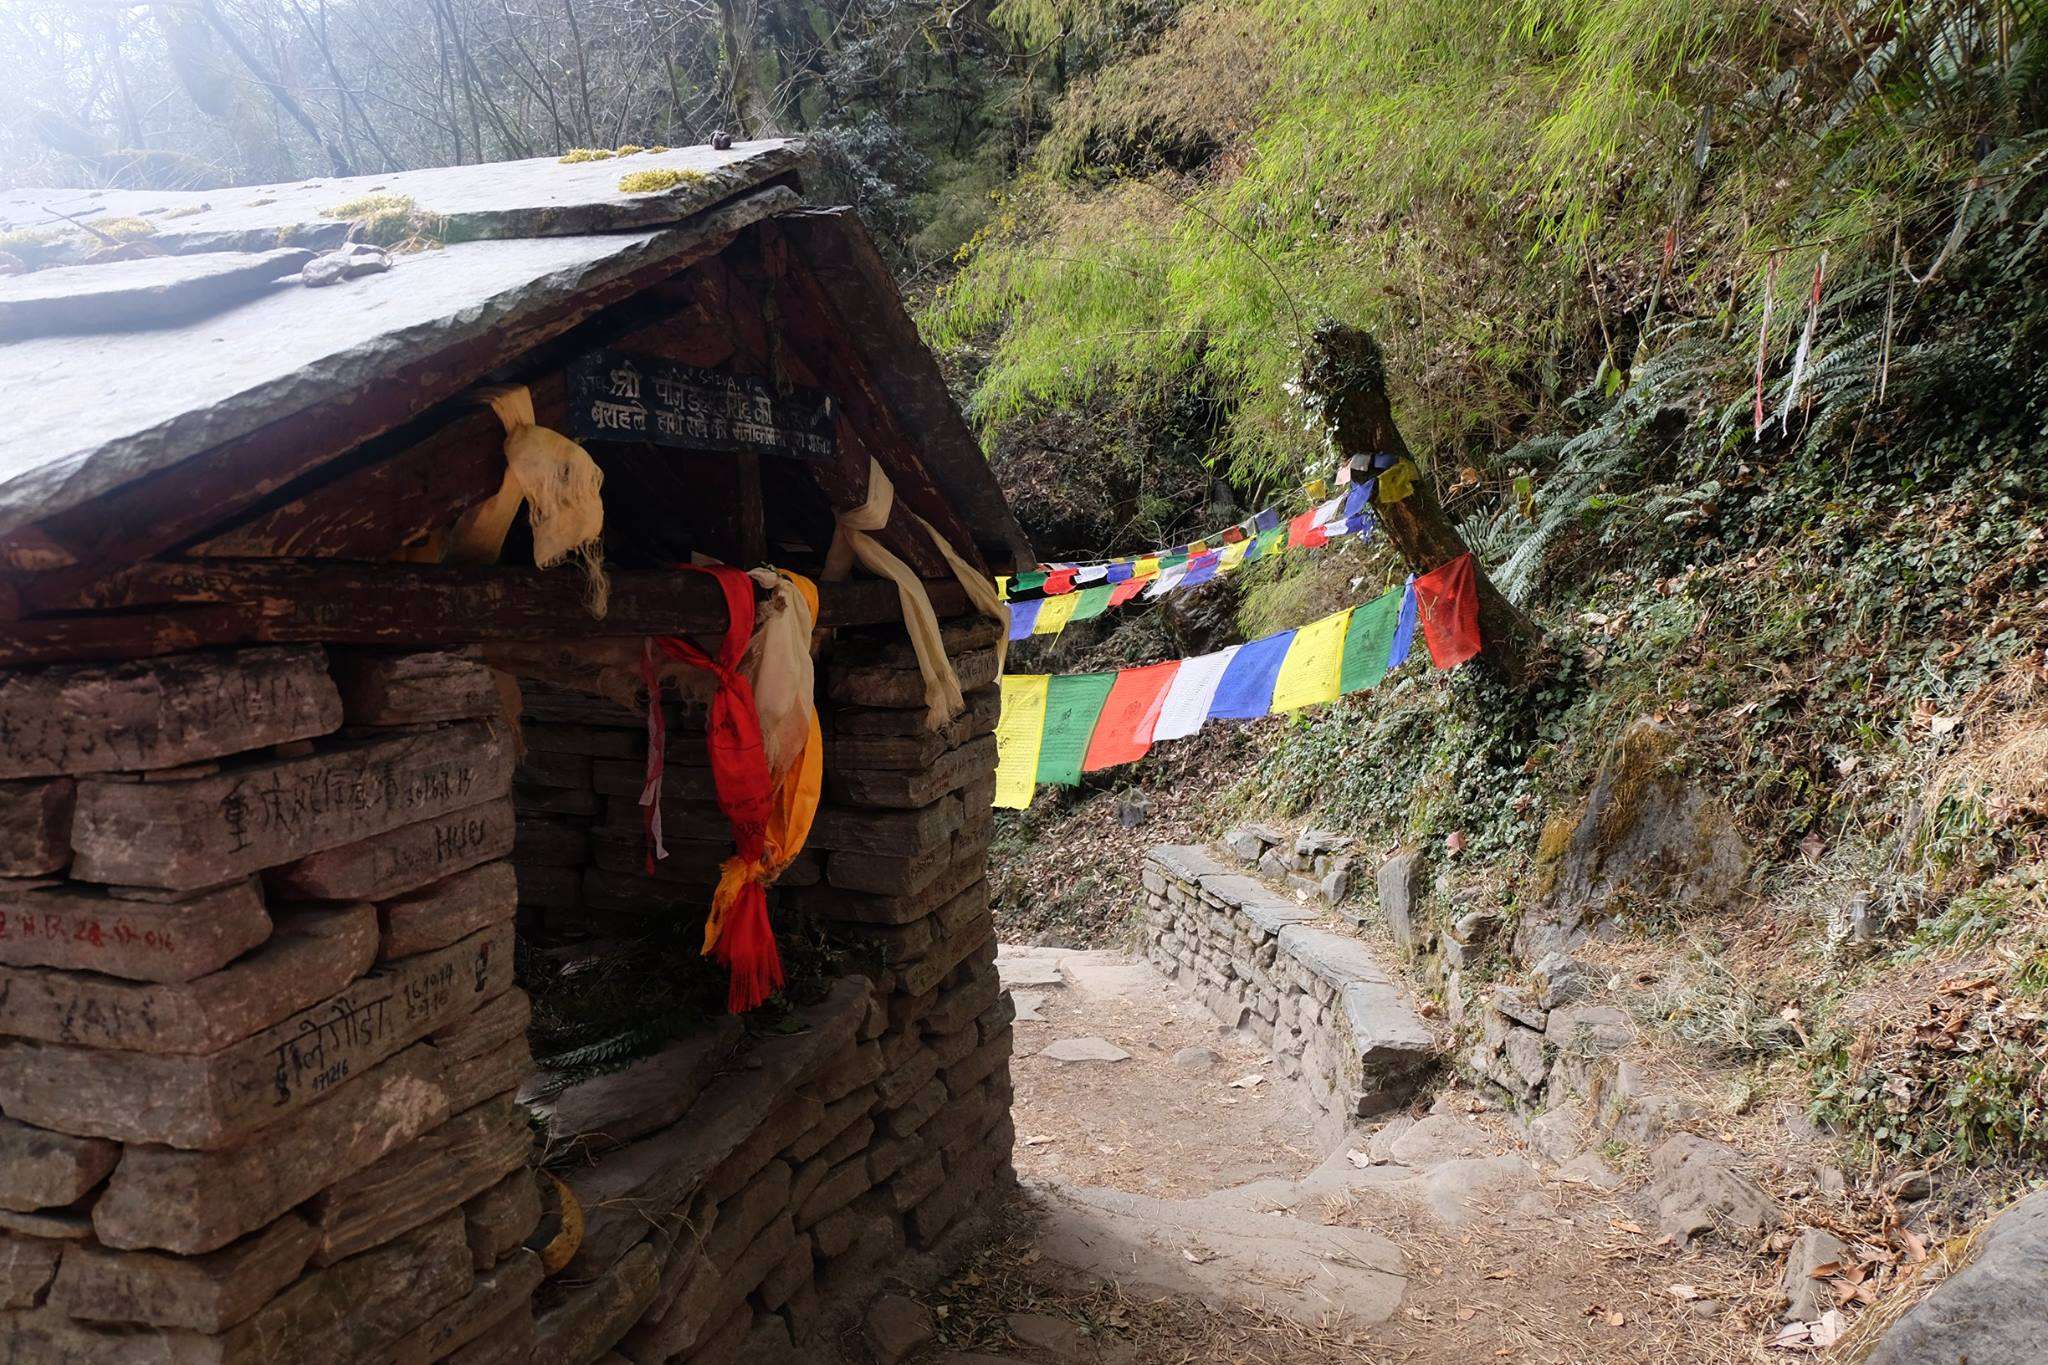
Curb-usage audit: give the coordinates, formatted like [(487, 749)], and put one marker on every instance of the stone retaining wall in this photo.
[(262, 1053), (1317, 997)]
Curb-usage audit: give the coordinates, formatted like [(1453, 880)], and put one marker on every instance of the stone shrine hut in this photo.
[(343, 1014)]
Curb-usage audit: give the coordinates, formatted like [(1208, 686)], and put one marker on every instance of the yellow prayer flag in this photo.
[(1019, 732), (1054, 615), (1314, 663), (1398, 482), (1317, 488), (1148, 567), (1233, 555)]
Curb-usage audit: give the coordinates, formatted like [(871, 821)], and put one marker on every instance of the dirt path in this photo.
[(1192, 1110), (1177, 1210)]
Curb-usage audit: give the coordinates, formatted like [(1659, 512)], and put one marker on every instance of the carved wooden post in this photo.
[(1345, 383)]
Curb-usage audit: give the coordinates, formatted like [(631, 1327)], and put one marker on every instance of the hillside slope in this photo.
[(1718, 325)]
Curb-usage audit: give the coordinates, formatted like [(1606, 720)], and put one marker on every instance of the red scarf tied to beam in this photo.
[(739, 767)]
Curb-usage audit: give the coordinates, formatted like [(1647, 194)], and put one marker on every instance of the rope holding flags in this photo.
[(1054, 728), (1036, 597)]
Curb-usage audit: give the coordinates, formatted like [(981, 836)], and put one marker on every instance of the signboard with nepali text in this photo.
[(620, 396)]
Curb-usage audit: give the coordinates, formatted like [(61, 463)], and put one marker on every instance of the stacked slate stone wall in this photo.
[(265, 1087), (1319, 998), (260, 1034), (740, 1188)]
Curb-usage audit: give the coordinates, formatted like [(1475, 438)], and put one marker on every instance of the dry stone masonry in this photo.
[(1318, 997), (240, 1125), (737, 1189), (266, 1092)]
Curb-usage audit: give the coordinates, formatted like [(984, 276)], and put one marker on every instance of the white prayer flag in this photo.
[(1187, 700), (1168, 580)]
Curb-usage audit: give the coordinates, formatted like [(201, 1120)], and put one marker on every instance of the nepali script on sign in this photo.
[(620, 396)]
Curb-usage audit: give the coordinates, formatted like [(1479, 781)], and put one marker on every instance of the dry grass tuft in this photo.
[(2002, 764)]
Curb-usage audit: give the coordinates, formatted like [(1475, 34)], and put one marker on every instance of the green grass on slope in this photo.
[(1486, 184)]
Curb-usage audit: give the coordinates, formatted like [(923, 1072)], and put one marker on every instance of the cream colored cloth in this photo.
[(854, 538), (560, 486), (778, 664), (981, 591)]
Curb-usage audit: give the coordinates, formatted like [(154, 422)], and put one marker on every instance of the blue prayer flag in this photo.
[(1247, 686), (1023, 616), (1118, 573), (1404, 629)]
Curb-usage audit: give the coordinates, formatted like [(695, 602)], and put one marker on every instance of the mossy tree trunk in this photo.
[(1345, 382)]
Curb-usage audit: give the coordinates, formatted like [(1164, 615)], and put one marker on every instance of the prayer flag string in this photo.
[(1091, 589), (1056, 727)]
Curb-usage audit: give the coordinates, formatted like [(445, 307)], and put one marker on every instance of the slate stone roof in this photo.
[(160, 359), (117, 371)]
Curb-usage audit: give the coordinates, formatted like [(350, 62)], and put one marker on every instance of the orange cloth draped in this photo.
[(770, 815)]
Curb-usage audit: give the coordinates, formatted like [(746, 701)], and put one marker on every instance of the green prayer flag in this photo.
[(1369, 642), (1027, 582), (1072, 704), (1272, 542), (1093, 601)]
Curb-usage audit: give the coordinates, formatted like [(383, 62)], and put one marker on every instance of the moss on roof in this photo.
[(649, 182)]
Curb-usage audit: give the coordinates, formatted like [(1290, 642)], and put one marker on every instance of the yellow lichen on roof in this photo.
[(577, 155), (648, 182)]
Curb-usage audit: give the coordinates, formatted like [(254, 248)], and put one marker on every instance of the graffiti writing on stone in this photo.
[(161, 713)]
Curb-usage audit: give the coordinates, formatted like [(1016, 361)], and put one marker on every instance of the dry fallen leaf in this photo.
[(1683, 1291), (1201, 1257), (1359, 1159), (1037, 1140), (1466, 1314), (1615, 1319), (1247, 1081)]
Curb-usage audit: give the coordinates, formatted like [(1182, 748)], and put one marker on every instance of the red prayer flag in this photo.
[(1304, 534), (1123, 732), (1447, 600), (1059, 582), (1127, 589)]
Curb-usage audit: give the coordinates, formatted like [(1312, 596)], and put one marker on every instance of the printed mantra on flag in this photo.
[(1056, 727)]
